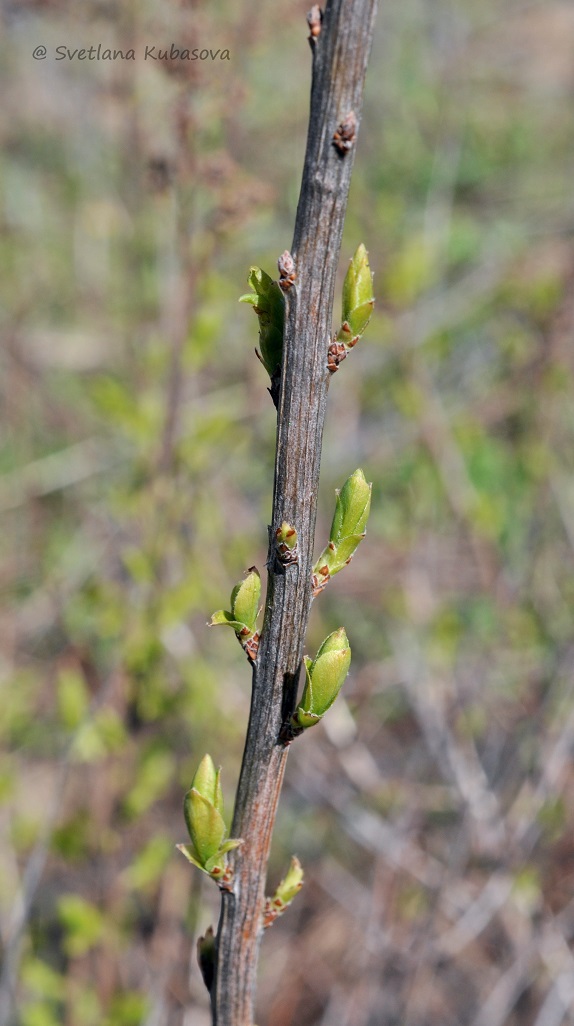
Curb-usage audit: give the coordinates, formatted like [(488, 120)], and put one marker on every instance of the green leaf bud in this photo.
[(358, 299), (286, 543), (205, 825), (292, 882), (207, 781), (352, 508), (203, 813), (269, 304), (324, 678), (347, 529), (286, 891), (286, 535)]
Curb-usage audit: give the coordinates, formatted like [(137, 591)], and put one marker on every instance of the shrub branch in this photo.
[(340, 53)]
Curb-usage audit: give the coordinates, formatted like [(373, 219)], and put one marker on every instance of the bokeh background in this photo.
[(433, 808)]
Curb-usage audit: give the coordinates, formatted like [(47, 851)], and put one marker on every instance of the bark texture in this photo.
[(340, 55)]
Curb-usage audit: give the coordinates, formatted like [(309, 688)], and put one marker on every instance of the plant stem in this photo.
[(340, 55)]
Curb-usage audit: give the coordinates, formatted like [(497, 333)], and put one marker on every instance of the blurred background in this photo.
[(433, 808)]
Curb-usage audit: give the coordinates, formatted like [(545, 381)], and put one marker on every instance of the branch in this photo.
[(340, 54)]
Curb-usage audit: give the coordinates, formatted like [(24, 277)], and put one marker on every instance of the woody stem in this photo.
[(340, 54)]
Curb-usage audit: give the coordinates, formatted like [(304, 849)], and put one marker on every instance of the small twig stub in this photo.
[(314, 21)]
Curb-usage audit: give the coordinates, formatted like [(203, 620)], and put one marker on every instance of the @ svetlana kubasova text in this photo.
[(99, 52)]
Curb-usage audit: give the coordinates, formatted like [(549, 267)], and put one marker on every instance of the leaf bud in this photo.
[(269, 304), (292, 882), (325, 676), (347, 529), (352, 508), (207, 781), (286, 891), (358, 298), (203, 813), (286, 543)]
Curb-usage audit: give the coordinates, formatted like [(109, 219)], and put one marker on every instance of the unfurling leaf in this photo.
[(245, 599), (223, 616), (242, 616)]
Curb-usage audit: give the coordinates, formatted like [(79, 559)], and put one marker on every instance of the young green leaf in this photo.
[(191, 855), (223, 616), (245, 599), (244, 612)]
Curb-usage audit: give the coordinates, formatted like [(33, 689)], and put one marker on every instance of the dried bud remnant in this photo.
[(251, 646), (314, 21), (336, 353), (344, 136), (287, 275)]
